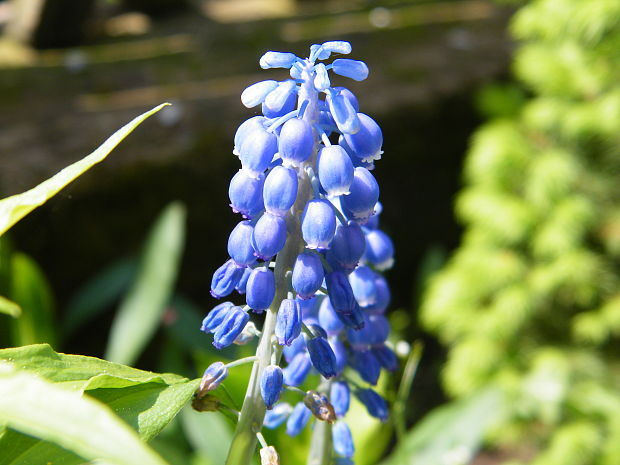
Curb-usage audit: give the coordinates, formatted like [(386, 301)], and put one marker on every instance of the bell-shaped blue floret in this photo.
[(257, 150), (362, 281), (335, 170), (269, 236), (379, 249), (354, 320), (348, 246), (386, 357), (277, 60), (374, 332), (360, 203), (271, 385), (212, 377), (318, 224), (261, 289), (322, 357), (280, 190), (297, 346), (350, 96), (246, 193), (215, 317), (328, 318), (240, 245), (340, 292), (296, 141), (373, 221), (256, 93), (249, 125), (225, 279), (307, 275), (344, 114), (382, 299), (342, 439), (298, 369), (230, 328), (366, 364), (374, 403), (277, 415), (354, 69), (288, 322), (298, 419), (243, 281), (340, 397), (321, 78), (281, 100), (366, 143)]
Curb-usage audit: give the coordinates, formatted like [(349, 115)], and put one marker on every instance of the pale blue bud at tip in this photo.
[(260, 289), (335, 170), (296, 141), (277, 60), (298, 419), (354, 69), (277, 415), (345, 116), (322, 357), (318, 224), (298, 369), (269, 236), (280, 190), (307, 275), (340, 397), (288, 322), (350, 96), (240, 245), (230, 328), (225, 279), (374, 403), (337, 46), (256, 93), (215, 317), (271, 385), (342, 439), (281, 100), (321, 78), (379, 250)]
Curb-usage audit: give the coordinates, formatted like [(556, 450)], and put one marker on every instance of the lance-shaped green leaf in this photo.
[(84, 426), (14, 208), (141, 311)]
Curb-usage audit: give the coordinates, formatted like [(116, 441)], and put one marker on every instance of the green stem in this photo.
[(252, 414)]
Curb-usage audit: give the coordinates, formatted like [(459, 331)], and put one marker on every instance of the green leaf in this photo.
[(148, 401), (82, 425), (452, 433), (31, 291), (99, 293), (209, 433), (141, 311), (14, 208), (9, 307)]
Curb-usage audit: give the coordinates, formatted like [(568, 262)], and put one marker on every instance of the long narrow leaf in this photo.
[(141, 311), (79, 424), (14, 208), (9, 307)]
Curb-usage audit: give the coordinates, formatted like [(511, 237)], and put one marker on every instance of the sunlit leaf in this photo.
[(209, 433), (40, 408), (9, 307), (141, 311), (14, 208)]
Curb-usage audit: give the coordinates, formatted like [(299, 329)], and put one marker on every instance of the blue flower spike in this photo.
[(308, 250)]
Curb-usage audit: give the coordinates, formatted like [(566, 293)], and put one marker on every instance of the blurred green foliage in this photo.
[(530, 301)]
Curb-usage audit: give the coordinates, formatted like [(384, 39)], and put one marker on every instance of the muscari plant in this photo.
[(530, 302), (307, 255)]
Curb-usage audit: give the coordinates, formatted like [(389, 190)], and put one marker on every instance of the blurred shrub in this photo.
[(530, 302)]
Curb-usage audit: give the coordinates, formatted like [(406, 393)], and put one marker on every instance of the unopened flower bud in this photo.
[(271, 385), (212, 378), (320, 406), (269, 456)]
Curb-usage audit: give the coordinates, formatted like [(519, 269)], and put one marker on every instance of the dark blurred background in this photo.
[(73, 71)]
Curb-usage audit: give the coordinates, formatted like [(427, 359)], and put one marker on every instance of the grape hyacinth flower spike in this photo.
[(308, 254)]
